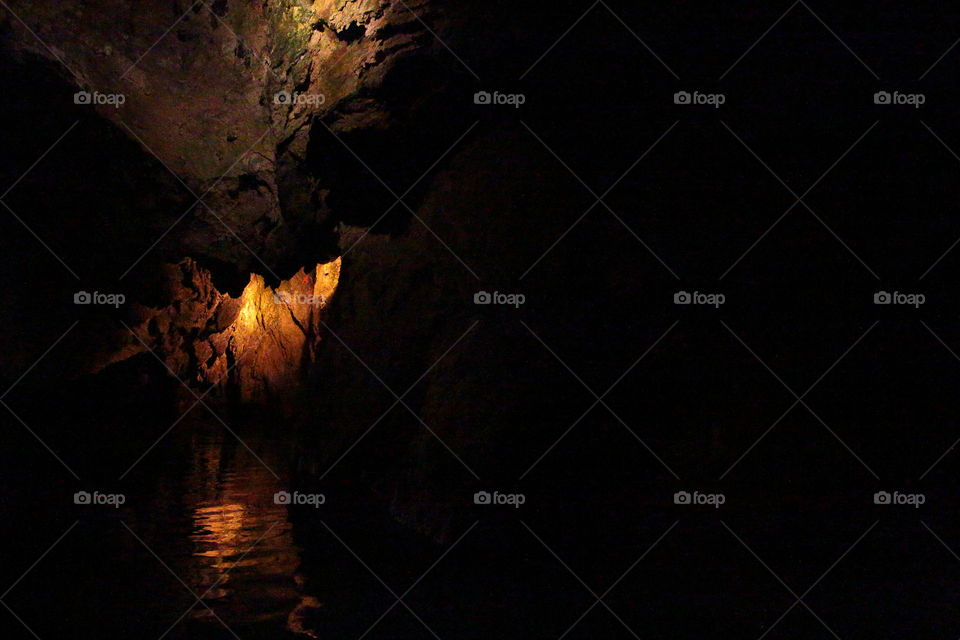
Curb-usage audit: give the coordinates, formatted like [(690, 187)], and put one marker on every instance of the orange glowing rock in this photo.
[(275, 333), (257, 344)]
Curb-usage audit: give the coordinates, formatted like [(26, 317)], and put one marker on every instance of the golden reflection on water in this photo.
[(243, 554)]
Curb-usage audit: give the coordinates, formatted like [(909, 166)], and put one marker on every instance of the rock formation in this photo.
[(282, 150)]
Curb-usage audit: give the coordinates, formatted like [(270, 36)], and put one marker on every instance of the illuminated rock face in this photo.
[(275, 334), (287, 184), (254, 346)]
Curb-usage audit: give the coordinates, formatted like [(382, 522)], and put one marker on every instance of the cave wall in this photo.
[(487, 391), (394, 189), (200, 85), (254, 346), (199, 117)]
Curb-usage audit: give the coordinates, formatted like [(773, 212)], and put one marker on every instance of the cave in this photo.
[(415, 319)]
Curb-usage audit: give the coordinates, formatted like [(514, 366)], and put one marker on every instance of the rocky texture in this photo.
[(200, 83), (318, 181), (200, 117), (254, 346)]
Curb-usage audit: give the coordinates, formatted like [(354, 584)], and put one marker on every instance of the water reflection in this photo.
[(239, 556)]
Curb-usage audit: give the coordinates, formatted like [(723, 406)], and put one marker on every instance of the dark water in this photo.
[(199, 520), (210, 510), (239, 556)]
